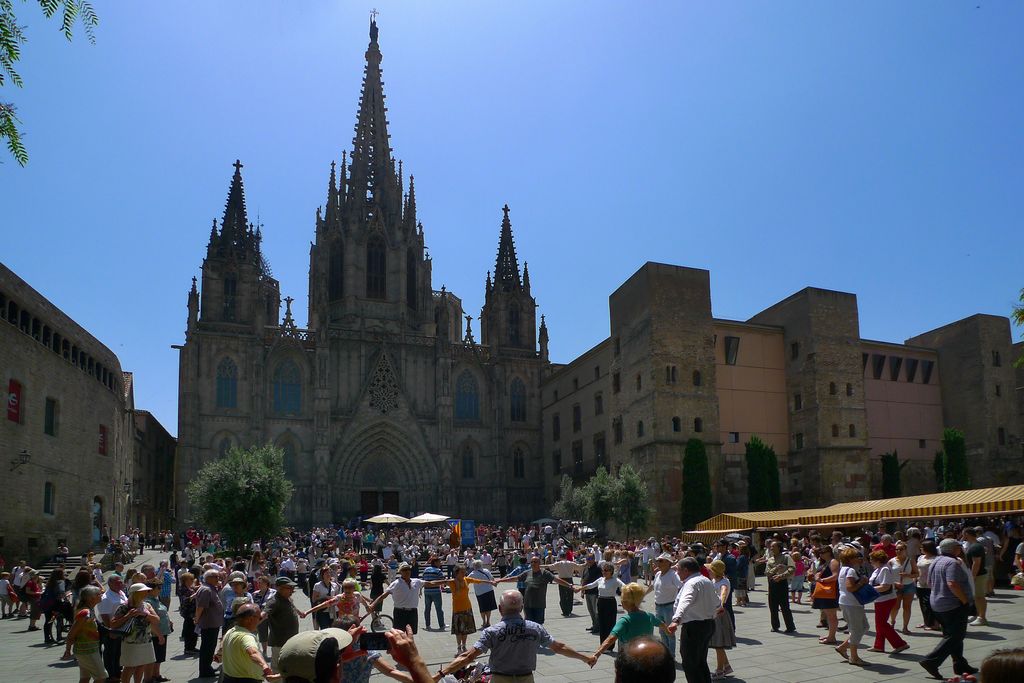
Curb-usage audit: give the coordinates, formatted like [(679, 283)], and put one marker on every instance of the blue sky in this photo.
[(871, 147)]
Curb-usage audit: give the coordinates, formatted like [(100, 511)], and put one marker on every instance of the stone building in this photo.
[(64, 441), (380, 402), (152, 490), (798, 375)]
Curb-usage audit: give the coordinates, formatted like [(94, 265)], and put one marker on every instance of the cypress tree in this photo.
[(771, 470), (955, 474), (891, 469), (696, 484)]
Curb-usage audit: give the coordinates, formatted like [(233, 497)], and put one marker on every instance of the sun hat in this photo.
[(664, 556), (237, 576), (138, 587), (284, 581), (298, 655)]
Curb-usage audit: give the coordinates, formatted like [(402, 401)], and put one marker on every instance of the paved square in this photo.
[(760, 655)]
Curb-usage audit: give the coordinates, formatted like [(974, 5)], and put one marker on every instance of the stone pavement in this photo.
[(760, 655)]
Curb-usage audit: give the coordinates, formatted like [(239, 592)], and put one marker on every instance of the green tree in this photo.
[(242, 494), (599, 496), (955, 475), (891, 470), (629, 506), (12, 37), (696, 484), (571, 503), (763, 488)]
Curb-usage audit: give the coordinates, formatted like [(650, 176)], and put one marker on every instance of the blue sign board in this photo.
[(468, 532)]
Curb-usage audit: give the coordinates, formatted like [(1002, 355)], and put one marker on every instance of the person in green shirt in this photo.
[(633, 624), (240, 649)]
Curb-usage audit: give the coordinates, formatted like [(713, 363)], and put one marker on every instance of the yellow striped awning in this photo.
[(991, 501), (1000, 500)]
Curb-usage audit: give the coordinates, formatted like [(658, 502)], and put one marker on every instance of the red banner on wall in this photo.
[(103, 440), (14, 401)]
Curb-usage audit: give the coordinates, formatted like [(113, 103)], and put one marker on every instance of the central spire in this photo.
[(506, 269), (372, 172)]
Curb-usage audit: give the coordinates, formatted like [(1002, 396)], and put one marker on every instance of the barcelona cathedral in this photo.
[(384, 401)]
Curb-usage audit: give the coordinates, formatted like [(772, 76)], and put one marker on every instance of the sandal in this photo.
[(828, 641), (842, 653), (860, 662)]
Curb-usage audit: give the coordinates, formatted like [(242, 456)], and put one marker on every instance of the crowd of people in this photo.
[(239, 611)]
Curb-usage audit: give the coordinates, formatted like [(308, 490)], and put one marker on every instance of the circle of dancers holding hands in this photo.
[(251, 625)]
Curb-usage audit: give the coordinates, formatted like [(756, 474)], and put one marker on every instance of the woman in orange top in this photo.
[(463, 622)]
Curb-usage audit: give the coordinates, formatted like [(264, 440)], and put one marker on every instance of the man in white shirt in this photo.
[(694, 615), (288, 567), (564, 570), (665, 587), (112, 599), (486, 559), (405, 591)]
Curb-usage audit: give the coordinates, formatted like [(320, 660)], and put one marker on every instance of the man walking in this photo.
[(949, 599), (209, 619), (778, 570), (694, 616), (513, 643), (665, 587)]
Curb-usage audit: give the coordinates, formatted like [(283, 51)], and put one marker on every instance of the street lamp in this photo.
[(23, 457)]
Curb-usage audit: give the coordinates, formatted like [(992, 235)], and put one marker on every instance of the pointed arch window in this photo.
[(376, 269), (513, 325), (224, 447), (287, 388), (227, 384), (410, 279), (336, 271), (518, 464), (517, 400), (467, 397)]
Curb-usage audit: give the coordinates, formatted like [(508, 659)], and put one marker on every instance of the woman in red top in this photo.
[(33, 589)]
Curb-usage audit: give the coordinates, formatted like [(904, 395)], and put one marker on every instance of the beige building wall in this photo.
[(584, 383), (751, 402), (68, 490)]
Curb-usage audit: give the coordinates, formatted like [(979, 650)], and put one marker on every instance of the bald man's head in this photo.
[(645, 660)]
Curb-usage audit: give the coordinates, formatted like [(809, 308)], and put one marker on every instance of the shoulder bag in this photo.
[(825, 591)]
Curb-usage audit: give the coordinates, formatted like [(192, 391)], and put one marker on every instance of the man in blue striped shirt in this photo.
[(433, 595)]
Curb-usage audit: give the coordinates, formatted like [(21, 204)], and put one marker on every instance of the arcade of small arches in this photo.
[(45, 334)]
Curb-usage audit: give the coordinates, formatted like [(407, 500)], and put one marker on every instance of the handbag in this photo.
[(825, 591), (866, 594)]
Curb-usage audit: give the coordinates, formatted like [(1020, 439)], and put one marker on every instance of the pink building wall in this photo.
[(903, 415)]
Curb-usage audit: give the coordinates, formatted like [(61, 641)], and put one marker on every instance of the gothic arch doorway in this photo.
[(382, 468), (379, 487)]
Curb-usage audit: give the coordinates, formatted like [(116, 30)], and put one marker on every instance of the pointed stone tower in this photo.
[(509, 316), (368, 266), (237, 287)]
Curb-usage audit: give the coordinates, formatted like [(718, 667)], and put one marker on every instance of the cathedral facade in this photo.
[(381, 403)]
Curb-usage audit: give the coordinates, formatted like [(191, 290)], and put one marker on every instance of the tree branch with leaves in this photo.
[(12, 37)]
